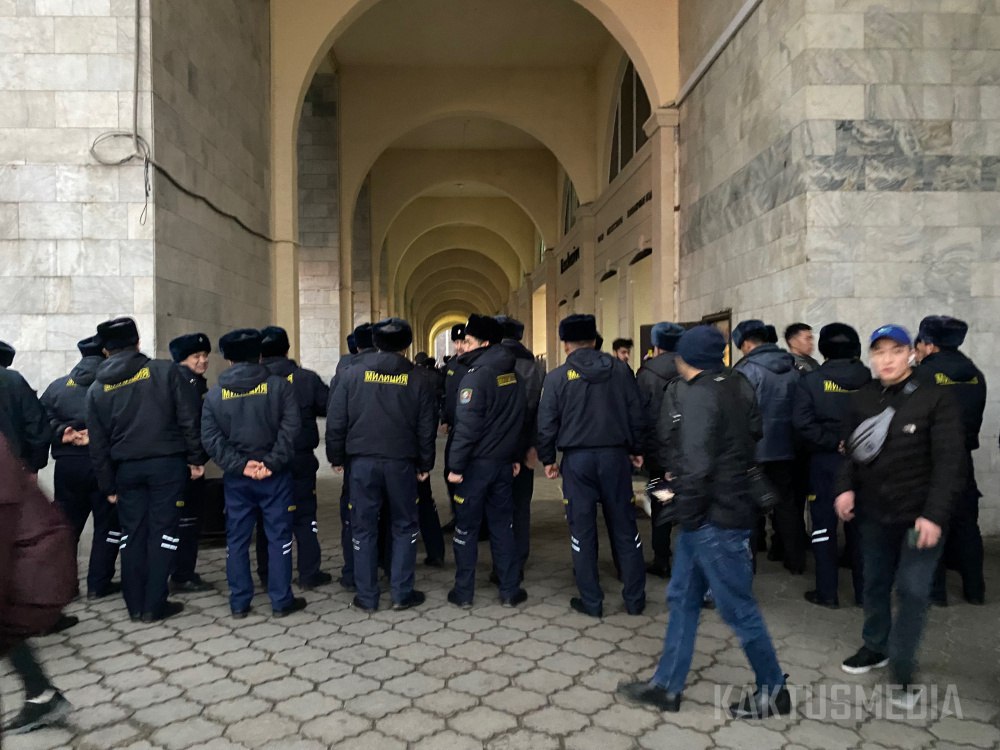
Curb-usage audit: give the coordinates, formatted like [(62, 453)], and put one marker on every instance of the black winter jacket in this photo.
[(311, 394), (489, 417), (65, 402), (951, 369), (923, 465), (530, 374), (453, 377), (380, 408), (771, 371), (653, 378), (591, 401), (23, 421), (250, 415), (707, 428), (139, 408), (822, 400)]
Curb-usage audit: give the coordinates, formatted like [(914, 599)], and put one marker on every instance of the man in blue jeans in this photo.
[(903, 491), (707, 430)]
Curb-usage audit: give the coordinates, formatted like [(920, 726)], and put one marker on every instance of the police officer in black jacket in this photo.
[(312, 396), (453, 376), (191, 352), (592, 412), (381, 424), (653, 377), (822, 400), (530, 374), (249, 425), (359, 344), (943, 365), (76, 490), (486, 449), (144, 444)]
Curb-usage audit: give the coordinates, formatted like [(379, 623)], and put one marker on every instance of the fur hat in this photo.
[(484, 328), (184, 346), (241, 345), (943, 331), (7, 353), (119, 333), (90, 347), (578, 328), (839, 341), (274, 342), (512, 328), (748, 328), (392, 335), (702, 347), (665, 335), (363, 337), (458, 332)]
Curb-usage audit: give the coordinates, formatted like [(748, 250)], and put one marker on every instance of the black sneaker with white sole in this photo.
[(864, 661), (46, 710)]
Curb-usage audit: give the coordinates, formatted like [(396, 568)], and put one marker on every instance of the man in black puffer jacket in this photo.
[(144, 444), (76, 490), (943, 365), (249, 425), (904, 497), (772, 373), (707, 429), (312, 395), (653, 378), (822, 399)]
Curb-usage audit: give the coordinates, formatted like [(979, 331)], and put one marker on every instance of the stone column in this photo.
[(588, 260), (661, 128)]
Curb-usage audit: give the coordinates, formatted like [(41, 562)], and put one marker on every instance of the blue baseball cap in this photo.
[(891, 331)]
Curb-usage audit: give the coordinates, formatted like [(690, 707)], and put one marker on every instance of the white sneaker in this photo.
[(906, 698), (641, 501)]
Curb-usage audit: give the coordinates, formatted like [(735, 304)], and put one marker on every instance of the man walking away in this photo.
[(708, 426)]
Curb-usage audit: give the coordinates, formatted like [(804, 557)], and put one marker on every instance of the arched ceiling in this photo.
[(458, 262), (463, 276)]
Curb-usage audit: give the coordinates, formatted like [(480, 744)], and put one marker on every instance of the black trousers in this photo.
[(189, 531), (149, 491), (963, 548), (789, 525), (660, 534), (78, 495)]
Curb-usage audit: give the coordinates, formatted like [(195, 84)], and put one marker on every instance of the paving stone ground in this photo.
[(537, 677)]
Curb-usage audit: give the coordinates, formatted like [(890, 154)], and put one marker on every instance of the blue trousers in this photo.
[(603, 475), (486, 489), (347, 572), (823, 474), (305, 529), (374, 481), (272, 498), (149, 491), (717, 559), (77, 495), (890, 560)]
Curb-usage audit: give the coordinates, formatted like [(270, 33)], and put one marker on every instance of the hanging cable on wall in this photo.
[(141, 151)]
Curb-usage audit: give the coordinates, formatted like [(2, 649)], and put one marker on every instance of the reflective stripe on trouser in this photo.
[(189, 531), (603, 476), (148, 491), (487, 490), (305, 529)]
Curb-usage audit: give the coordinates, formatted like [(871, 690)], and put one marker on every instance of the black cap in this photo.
[(7, 353), (578, 328), (703, 347), (363, 337), (839, 341), (484, 328), (241, 345), (91, 347), (512, 328), (119, 333), (274, 342), (458, 332), (943, 330), (392, 335), (184, 346)]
